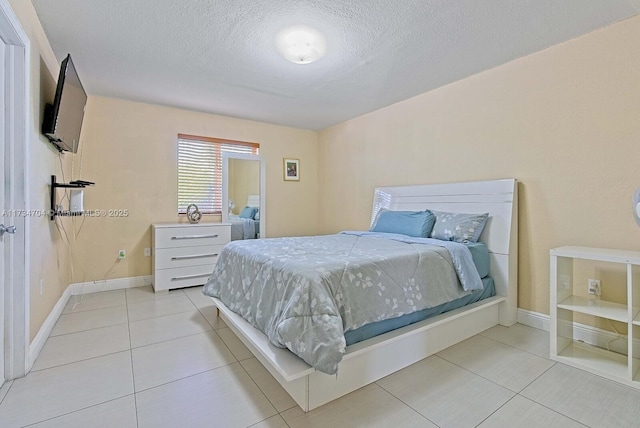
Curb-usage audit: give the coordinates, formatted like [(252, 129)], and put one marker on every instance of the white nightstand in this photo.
[(184, 255)]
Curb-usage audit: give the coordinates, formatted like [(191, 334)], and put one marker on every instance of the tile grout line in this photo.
[(544, 405), (211, 328), (164, 316), (245, 370), (492, 381), (509, 345), (133, 375), (74, 411), (496, 410), (185, 377), (8, 389), (79, 361), (83, 331), (65, 364), (489, 380), (92, 309), (519, 393), (176, 338), (536, 378), (553, 410), (477, 374), (400, 400), (123, 350), (277, 414), (264, 394)]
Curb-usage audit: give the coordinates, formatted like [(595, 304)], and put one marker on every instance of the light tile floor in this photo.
[(136, 359)]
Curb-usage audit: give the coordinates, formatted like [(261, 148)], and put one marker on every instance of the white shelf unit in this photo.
[(564, 305)]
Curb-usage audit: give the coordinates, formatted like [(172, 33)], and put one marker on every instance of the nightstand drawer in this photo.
[(187, 256)]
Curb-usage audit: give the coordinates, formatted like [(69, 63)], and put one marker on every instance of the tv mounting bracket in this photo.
[(75, 184)]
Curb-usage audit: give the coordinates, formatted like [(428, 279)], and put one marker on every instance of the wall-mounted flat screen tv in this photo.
[(63, 119)]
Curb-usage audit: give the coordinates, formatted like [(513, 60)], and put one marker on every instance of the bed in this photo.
[(369, 358), (246, 227)]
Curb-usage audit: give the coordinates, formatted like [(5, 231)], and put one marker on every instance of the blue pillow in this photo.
[(249, 212), (458, 227), (411, 223)]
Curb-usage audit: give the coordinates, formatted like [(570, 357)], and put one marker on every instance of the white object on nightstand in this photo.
[(184, 255), (564, 347)]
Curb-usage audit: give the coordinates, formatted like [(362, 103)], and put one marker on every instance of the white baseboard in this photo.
[(110, 285), (533, 319), (73, 290), (45, 329), (581, 332)]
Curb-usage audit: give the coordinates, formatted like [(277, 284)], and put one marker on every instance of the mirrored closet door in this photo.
[(243, 195)]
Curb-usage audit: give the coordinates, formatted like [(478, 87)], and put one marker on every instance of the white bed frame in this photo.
[(372, 359)]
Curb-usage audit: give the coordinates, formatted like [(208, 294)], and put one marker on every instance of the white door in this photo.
[(14, 132), (4, 220)]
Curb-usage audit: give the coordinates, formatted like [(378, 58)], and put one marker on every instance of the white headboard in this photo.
[(253, 201), (499, 198)]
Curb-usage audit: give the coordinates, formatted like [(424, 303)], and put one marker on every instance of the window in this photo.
[(200, 170)]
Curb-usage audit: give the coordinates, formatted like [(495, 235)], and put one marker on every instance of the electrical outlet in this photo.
[(564, 282), (41, 286), (147, 251), (122, 254), (594, 286)]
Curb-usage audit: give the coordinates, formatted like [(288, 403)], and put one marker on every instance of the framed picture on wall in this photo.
[(291, 169)]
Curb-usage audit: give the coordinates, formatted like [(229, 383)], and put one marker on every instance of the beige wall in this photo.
[(565, 122), (129, 150), (49, 254)]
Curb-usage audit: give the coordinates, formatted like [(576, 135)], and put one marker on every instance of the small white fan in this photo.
[(636, 206)]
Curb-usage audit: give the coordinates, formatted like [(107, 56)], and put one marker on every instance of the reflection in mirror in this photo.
[(243, 194)]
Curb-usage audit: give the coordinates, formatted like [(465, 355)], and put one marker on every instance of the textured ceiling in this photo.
[(219, 56)]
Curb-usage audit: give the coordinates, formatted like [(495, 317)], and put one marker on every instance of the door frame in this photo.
[(17, 135)]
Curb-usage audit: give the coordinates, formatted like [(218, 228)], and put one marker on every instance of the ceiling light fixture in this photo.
[(301, 45)]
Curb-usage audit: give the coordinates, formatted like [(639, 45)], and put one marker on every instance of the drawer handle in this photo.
[(197, 256), (195, 236), (178, 278)]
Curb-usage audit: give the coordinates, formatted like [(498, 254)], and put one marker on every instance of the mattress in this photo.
[(377, 328)]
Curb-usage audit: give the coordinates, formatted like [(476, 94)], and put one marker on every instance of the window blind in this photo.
[(200, 171)]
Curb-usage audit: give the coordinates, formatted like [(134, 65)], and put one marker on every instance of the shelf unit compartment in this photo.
[(614, 363), (596, 307), (633, 277), (634, 353), (564, 277), (564, 335), (595, 360)]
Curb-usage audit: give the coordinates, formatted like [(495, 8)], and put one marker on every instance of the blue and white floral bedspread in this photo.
[(305, 292)]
